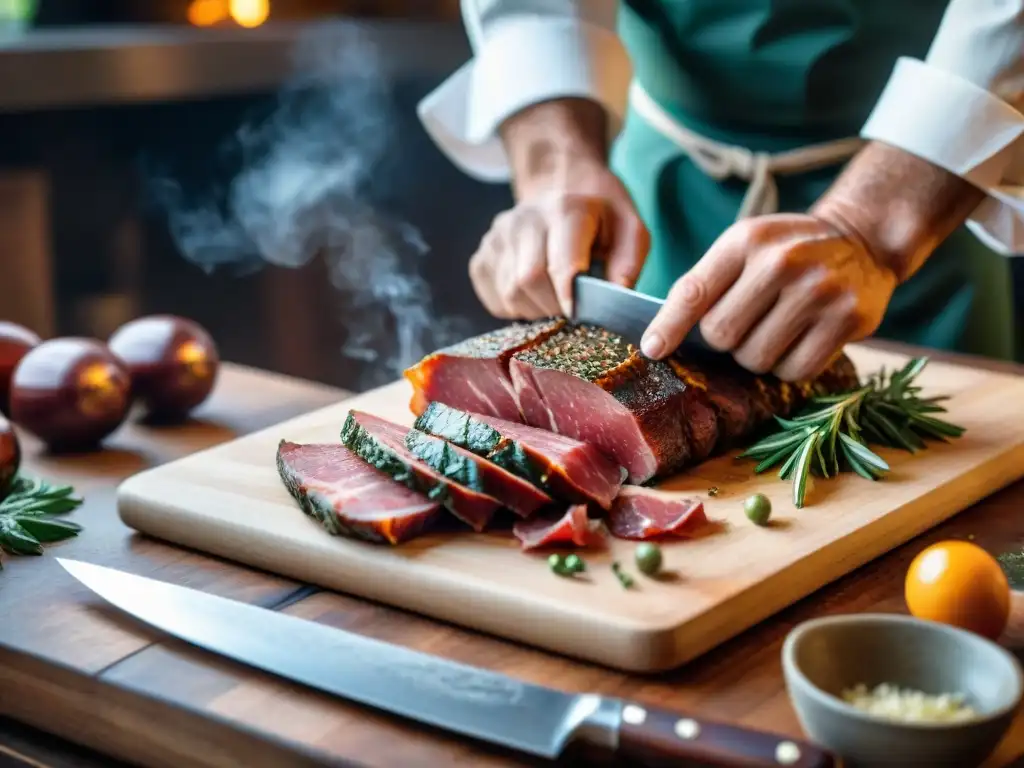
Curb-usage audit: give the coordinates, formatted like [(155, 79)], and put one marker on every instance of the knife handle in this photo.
[(658, 737)]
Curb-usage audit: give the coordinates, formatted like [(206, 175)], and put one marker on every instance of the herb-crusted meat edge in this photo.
[(379, 456), (463, 430)]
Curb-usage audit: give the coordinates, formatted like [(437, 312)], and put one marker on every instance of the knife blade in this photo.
[(621, 310), (531, 719)]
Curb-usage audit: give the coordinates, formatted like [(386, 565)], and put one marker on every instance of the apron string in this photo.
[(721, 161)]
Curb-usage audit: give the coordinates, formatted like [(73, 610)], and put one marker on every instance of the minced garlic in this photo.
[(908, 706)]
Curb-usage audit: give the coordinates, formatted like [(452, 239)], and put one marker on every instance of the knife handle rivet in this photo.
[(633, 714), (687, 729), (787, 753)]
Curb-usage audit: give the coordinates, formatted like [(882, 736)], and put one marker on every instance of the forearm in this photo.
[(525, 53), (547, 141), (960, 111), (900, 206)]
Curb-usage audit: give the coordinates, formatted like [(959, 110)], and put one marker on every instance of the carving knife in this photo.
[(622, 310), (529, 719)]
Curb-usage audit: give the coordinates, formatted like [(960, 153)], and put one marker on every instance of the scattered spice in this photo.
[(583, 351), (624, 578), (713, 491)]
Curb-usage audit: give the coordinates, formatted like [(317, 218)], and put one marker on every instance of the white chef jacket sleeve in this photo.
[(961, 109), (525, 52)]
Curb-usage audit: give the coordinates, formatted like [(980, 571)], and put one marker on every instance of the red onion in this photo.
[(173, 363), (15, 341), (71, 393), (10, 456)]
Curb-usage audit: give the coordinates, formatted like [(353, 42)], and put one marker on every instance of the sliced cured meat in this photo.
[(350, 498), (644, 513), (651, 417), (590, 384), (564, 467), (381, 444), (474, 373), (573, 527), (476, 473)]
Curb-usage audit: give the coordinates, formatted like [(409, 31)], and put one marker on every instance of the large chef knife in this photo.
[(621, 310), (530, 719)]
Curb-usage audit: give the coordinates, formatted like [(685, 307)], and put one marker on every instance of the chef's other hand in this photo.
[(783, 293), (570, 208)]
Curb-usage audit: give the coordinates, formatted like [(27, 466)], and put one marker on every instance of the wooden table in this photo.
[(75, 669)]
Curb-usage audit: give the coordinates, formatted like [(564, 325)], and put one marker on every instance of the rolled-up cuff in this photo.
[(963, 128), (523, 62)]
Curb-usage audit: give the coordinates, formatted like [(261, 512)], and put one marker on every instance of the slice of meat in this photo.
[(350, 498), (573, 527), (474, 373), (564, 467), (645, 513), (476, 473), (381, 444), (590, 384)]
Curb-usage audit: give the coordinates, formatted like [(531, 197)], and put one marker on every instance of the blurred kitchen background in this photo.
[(142, 141), (124, 123)]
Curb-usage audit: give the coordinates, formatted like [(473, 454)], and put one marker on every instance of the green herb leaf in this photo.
[(802, 469), (16, 540), (864, 454), (856, 465), (834, 431), (29, 516), (47, 529)]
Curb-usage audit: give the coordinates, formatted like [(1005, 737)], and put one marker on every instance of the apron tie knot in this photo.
[(721, 161)]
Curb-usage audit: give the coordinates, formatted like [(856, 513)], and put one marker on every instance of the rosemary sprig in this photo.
[(28, 516), (833, 432)]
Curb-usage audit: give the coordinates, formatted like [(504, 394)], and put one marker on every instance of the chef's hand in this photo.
[(570, 208), (783, 293)]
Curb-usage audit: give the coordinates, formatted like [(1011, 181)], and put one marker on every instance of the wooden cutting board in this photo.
[(228, 501)]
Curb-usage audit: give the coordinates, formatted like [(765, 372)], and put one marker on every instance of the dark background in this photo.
[(111, 253)]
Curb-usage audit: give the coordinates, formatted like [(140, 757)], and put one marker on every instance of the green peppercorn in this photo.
[(648, 558), (758, 509), (567, 565), (574, 564)]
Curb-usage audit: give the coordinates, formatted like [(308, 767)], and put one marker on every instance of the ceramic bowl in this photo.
[(823, 657)]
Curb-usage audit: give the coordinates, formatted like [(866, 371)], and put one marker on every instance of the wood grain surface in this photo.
[(52, 641), (229, 501), (162, 704)]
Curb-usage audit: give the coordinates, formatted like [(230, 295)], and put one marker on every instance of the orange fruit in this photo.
[(959, 583)]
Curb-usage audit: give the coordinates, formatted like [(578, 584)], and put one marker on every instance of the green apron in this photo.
[(776, 75)]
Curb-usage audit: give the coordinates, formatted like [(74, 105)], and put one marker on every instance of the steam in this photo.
[(309, 175)]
